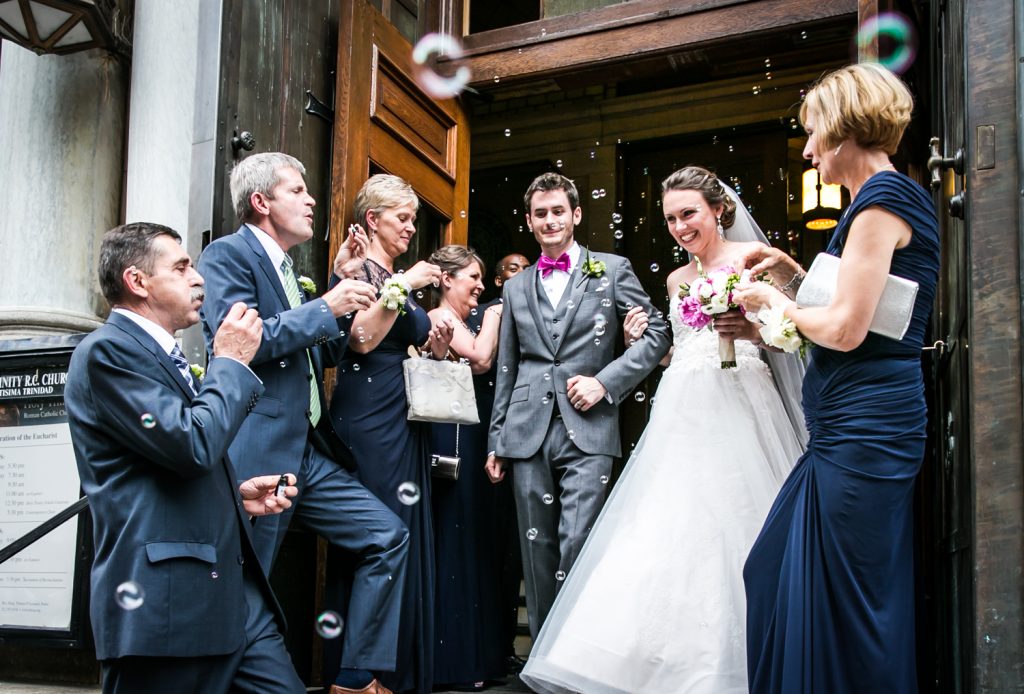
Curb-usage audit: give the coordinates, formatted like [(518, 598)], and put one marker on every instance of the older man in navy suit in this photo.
[(179, 602), (288, 428)]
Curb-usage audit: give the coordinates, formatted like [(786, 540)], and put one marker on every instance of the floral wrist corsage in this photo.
[(593, 268), (307, 284), (394, 293), (780, 331)]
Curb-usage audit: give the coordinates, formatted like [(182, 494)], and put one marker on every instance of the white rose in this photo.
[(701, 289), (718, 281), (719, 304)]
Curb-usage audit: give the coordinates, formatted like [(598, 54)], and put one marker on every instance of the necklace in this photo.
[(455, 315)]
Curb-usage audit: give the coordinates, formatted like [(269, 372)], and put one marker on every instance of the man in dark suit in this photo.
[(289, 427), (178, 599)]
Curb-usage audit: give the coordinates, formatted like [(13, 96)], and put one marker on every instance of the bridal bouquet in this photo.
[(709, 295)]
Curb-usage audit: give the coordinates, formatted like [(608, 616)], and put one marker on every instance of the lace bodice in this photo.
[(698, 349)]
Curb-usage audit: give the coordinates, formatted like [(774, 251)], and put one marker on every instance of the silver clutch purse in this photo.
[(895, 307), (440, 391)]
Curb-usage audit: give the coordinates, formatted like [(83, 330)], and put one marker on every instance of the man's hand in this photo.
[(239, 334), (584, 392), (352, 252), (348, 296), (259, 498), (495, 468)]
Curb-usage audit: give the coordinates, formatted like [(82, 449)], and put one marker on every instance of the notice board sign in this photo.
[(43, 587)]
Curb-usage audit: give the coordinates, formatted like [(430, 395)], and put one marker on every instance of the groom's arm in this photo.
[(621, 375), (508, 370)]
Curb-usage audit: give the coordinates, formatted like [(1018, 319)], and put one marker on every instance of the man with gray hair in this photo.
[(289, 428)]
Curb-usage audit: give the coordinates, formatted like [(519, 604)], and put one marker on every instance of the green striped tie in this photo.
[(291, 288)]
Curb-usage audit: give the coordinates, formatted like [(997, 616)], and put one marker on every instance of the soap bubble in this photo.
[(329, 625), (408, 493), (548, 499), (895, 38), (639, 396), (424, 58), (147, 420), (531, 534), (559, 575), (129, 596)]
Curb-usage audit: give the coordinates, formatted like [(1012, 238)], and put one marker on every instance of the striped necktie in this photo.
[(178, 357), (291, 289)]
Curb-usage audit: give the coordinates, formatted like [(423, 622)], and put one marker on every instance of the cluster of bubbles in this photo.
[(425, 57), (598, 193), (329, 624), (895, 38)]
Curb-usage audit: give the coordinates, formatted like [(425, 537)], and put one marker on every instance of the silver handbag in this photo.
[(440, 391), (446, 467), (895, 307)]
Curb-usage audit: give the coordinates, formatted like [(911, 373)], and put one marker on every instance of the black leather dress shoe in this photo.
[(514, 664)]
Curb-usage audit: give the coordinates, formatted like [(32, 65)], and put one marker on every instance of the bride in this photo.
[(655, 602)]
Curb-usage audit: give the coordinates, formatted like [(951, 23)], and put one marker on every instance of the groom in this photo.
[(559, 386)]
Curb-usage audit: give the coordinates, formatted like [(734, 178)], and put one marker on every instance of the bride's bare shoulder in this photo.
[(686, 273)]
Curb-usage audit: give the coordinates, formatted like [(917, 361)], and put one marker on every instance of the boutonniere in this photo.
[(593, 268), (308, 285), (197, 371)]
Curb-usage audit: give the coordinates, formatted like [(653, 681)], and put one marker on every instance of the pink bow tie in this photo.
[(547, 265)]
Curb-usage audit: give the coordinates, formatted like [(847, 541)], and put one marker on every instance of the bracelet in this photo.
[(794, 282)]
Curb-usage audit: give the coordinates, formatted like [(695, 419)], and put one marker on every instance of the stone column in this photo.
[(61, 161)]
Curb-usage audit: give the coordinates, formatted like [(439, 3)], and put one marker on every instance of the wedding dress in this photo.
[(655, 602)]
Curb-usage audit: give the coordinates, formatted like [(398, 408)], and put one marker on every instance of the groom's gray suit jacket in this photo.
[(565, 341)]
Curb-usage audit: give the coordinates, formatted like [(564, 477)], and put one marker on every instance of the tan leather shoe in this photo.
[(374, 687)]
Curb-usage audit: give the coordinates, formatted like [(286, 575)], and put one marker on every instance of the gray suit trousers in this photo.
[(559, 493)]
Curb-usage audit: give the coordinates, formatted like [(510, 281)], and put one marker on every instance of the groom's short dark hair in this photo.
[(552, 181)]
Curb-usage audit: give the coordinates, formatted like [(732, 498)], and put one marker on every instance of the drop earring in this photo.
[(721, 231)]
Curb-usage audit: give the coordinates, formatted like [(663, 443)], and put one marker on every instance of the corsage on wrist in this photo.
[(779, 331), (394, 293)]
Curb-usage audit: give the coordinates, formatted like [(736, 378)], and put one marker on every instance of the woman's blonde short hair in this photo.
[(383, 192), (863, 102)]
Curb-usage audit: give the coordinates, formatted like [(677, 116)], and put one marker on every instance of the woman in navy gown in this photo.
[(830, 579), (369, 411), (469, 640)]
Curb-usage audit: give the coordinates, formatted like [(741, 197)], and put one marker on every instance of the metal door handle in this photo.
[(937, 162)]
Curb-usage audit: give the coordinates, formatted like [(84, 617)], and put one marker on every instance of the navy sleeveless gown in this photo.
[(830, 579), (369, 411)]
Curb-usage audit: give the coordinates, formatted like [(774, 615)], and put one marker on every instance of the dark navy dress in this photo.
[(830, 579), (369, 411), (472, 517)]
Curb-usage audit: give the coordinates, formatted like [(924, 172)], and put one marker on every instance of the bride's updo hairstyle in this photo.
[(707, 184), (864, 102)]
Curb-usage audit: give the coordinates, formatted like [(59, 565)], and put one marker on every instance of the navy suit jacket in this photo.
[(272, 440), (166, 510)]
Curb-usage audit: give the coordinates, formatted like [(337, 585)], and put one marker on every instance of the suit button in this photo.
[(241, 559), (549, 395), (558, 362), (309, 377), (308, 413), (283, 363), (554, 320), (554, 336)]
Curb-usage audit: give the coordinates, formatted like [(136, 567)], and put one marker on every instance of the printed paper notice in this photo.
[(38, 478)]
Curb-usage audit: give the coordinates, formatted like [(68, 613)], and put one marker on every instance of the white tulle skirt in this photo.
[(655, 602)]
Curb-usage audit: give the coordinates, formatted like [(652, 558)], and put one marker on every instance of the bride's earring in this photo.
[(721, 231)]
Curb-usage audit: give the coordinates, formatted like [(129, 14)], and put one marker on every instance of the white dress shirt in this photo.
[(555, 283), (274, 251)]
